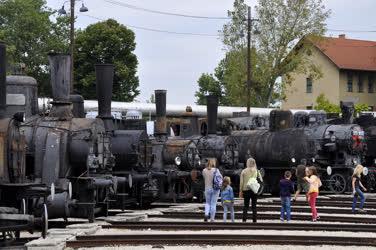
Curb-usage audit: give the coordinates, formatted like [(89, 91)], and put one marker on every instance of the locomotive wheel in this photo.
[(337, 183)]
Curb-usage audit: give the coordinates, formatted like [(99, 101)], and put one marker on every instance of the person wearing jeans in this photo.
[(357, 192), (211, 195), (227, 198), (286, 188)]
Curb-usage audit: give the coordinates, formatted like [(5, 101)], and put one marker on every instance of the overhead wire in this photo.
[(130, 6), (159, 30)]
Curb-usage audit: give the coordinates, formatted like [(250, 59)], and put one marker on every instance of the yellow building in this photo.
[(349, 74)]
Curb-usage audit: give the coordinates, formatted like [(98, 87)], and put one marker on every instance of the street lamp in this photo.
[(62, 11)]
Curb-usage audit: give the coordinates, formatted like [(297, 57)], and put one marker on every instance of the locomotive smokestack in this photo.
[(3, 86), (104, 81), (160, 105), (212, 113), (60, 83)]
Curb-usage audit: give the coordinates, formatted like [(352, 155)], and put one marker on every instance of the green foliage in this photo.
[(361, 107), (322, 103), (106, 42), (209, 84), (27, 29), (280, 24)]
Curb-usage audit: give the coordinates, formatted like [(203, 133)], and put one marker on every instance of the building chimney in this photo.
[(342, 36), (212, 113), (160, 106), (60, 83), (104, 81), (3, 86)]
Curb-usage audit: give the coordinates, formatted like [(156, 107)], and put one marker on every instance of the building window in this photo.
[(309, 107), (360, 83), (309, 85), (349, 82), (371, 80)]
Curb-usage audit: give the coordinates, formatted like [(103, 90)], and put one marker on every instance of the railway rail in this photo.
[(327, 210), (215, 239), (197, 226), (262, 216)]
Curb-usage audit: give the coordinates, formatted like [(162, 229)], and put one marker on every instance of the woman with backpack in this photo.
[(250, 179), (213, 183)]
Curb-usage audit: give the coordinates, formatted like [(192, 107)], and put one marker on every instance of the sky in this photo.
[(174, 61)]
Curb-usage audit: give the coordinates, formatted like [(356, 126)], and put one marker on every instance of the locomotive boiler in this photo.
[(334, 147), (224, 148), (176, 159), (16, 190), (69, 155), (368, 123), (131, 148)]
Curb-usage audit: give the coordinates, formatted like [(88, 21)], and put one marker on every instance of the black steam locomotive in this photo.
[(57, 165), (335, 149), (176, 158)]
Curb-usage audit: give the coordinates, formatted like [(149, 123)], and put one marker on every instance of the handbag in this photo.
[(253, 185)]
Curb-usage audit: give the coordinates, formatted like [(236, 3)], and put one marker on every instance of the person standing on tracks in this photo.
[(227, 199), (249, 174), (286, 187), (302, 185), (211, 189), (313, 191), (356, 185)]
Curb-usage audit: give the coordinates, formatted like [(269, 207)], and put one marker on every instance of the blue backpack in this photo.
[(217, 180)]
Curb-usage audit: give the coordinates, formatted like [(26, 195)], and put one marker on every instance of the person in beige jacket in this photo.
[(244, 192)]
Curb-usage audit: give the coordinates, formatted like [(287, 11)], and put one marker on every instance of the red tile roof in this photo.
[(349, 53)]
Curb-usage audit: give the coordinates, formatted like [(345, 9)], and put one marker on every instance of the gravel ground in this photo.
[(248, 247)]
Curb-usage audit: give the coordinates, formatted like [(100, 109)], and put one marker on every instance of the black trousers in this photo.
[(250, 195)]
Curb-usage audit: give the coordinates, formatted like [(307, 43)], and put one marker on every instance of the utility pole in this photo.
[(249, 22), (71, 48)]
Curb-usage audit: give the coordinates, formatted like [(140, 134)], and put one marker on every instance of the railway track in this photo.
[(276, 208), (215, 239), (262, 216), (197, 226)]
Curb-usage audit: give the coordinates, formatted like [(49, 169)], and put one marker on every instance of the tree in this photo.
[(322, 103), (106, 42), (281, 24), (27, 28), (208, 85)]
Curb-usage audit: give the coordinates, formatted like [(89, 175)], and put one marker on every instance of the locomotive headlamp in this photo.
[(293, 160), (313, 160), (177, 160), (329, 170), (365, 171), (354, 161), (333, 138)]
